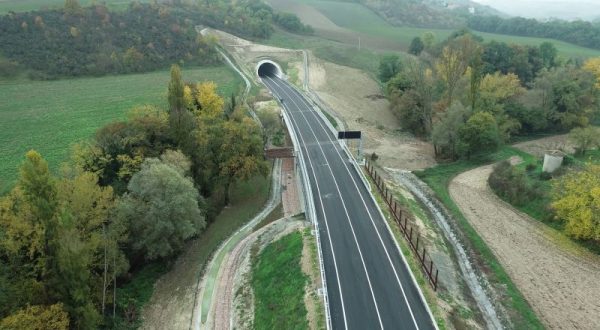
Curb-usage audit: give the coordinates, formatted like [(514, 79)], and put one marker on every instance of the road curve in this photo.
[(369, 284)]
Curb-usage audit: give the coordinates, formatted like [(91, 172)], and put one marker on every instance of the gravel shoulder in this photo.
[(560, 280)]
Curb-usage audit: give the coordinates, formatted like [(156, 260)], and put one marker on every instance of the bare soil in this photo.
[(355, 98), (560, 280), (358, 101), (540, 146)]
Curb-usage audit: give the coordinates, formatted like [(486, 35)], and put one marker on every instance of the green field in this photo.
[(49, 116), (359, 18), (28, 5), (278, 283)]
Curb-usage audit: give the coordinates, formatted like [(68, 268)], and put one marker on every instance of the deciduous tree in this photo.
[(576, 201), (36, 318), (585, 138), (479, 135), (162, 208), (389, 66)]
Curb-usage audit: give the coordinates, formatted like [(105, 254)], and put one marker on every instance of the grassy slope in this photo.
[(359, 18), (278, 283), (50, 116), (438, 178), (247, 199), (28, 5), (332, 51)]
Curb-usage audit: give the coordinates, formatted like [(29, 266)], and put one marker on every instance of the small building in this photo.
[(552, 160)]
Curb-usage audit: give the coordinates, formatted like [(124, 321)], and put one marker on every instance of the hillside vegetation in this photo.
[(121, 209), (359, 18), (72, 110), (76, 41)]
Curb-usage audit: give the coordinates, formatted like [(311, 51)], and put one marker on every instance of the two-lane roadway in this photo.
[(369, 283)]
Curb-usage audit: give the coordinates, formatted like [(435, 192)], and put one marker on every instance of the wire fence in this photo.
[(404, 220)]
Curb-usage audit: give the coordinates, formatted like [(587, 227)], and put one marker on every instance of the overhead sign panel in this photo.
[(349, 135)]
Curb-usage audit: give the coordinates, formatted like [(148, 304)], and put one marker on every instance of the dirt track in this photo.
[(559, 279)]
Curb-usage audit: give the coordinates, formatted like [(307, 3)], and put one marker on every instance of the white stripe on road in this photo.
[(326, 225), (368, 211), (342, 200)]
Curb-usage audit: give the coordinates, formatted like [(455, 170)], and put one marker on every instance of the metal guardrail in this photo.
[(318, 104), (310, 211), (307, 191)]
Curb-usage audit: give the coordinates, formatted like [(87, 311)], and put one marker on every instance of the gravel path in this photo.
[(559, 279)]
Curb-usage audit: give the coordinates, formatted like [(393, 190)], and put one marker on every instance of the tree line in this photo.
[(78, 41), (580, 33), (469, 97), (133, 194)]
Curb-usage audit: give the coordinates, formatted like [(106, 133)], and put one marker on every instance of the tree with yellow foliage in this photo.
[(453, 63), (576, 201), (593, 65), (211, 103), (37, 318)]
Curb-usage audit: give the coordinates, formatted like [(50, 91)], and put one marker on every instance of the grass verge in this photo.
[(438, 178), (330, 118), (413, 264), (315, 275), (49, 116), (278, 283)]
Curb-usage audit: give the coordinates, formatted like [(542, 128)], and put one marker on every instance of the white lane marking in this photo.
[(312, 170), (343, 204), (368, 211)]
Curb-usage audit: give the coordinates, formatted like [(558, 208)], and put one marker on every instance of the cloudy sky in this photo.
[(565, 9)]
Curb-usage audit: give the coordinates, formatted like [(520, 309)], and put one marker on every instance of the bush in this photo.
[(8, 69), (530, 167), (545, 176), (374, 157), (512, 185)]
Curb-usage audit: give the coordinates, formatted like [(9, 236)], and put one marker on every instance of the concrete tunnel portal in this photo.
[(268, 68)]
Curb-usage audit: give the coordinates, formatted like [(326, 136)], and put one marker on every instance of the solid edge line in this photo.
[(369, 188), (341, 199), (372, 220), (293, 124)]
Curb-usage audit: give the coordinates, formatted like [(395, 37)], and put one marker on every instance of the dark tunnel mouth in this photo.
[(268, 69)]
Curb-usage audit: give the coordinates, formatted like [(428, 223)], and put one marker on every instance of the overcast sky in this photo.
[(565, 9)]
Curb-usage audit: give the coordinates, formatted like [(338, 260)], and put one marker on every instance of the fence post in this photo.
[(436, 280), (430, 267), (417, 242), (423, 261), (395, 207)]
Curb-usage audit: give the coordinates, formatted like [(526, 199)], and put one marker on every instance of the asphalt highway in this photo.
[(368, 283)]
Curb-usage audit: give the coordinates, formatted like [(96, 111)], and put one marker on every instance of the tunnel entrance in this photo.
[(268, 68)]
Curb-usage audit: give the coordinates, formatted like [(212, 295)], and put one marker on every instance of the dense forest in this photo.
[(132, 195), (580, 33), (80, 41), (470, 97)]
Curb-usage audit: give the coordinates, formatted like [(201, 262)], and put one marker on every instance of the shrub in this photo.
[(512, 185), (530, 167), (545, 176)]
